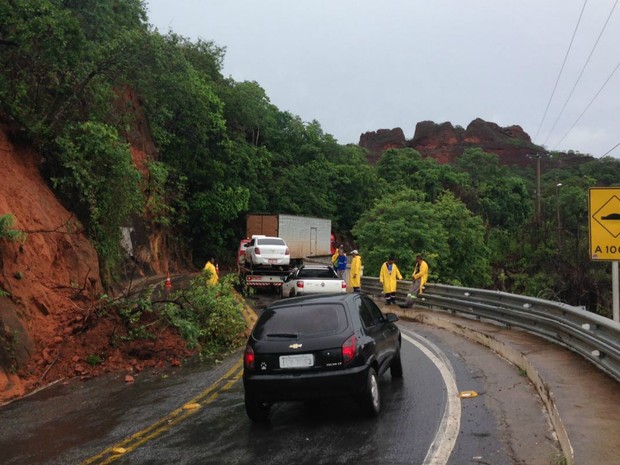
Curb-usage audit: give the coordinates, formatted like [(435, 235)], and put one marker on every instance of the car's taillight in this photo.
[(248, 357), (343, 285), (300, 284), (256, 251), (286, 252), (348, 349)]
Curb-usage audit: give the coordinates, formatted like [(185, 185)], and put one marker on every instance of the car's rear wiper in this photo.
[(286, 335)]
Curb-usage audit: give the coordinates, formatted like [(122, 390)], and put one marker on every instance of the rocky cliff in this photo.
[(445, 142)]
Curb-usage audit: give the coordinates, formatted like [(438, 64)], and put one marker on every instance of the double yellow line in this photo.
[(206, 397), (134, 441)]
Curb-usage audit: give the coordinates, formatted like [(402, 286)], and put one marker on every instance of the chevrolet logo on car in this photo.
[(295, 346)]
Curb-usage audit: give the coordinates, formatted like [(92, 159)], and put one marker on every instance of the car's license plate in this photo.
[(296, 361), (272, 261)]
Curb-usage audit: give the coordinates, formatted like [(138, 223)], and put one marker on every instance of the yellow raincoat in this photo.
[(356, 272), (389, 279), (422, 274), (335, 258), (214, 278)]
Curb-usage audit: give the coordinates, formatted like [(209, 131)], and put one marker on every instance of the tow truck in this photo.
[(259, 276)]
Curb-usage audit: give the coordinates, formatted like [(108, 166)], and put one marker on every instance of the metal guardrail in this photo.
[(594, 337)]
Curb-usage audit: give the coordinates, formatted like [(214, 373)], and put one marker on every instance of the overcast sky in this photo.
[(362, 65)]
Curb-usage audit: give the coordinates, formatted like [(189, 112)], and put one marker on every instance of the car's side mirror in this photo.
[(391, 317)]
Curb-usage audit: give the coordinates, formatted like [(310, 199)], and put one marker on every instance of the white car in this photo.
[(312, 279), (266, 250)]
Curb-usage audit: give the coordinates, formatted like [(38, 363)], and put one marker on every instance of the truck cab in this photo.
[(243, 243)]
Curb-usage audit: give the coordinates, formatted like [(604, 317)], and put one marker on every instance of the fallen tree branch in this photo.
[(48, 369), (49, 231)]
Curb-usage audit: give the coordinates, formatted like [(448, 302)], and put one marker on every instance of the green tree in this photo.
[(480, 166), (209, 213), (405, 224), (356, 186), (467, 263), (406, 168), (505, 202), (98, 177), (248, 111), (493, 192), (401, 224), (60, 60)]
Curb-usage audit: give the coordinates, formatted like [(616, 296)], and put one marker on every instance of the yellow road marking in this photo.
[(248, 313), (176, 416)]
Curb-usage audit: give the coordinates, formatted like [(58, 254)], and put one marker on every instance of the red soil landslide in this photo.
[(49, 284)]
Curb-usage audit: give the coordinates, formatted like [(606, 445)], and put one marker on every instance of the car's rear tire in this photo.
[(371, 398), (396, 368), (257, 411)]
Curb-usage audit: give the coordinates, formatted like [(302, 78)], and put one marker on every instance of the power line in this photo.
[(581, 73), (589, 104), (561, 69), (611, 149)]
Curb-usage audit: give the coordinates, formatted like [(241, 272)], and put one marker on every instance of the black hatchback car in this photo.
[(320, 346)]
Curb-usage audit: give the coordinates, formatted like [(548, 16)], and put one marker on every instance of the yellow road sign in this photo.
[(604, 223)]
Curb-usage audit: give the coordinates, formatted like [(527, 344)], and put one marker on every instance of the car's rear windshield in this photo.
[(270, 241), (310, 320), (317, 273)]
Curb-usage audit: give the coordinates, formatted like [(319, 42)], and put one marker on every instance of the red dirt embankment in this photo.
[(48, 327)]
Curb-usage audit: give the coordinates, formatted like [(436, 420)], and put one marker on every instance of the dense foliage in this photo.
[(79, 78), (208, 317)]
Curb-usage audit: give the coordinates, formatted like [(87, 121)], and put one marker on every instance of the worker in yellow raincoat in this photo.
[(335, 256), (388, 276), (418, 278), (213, 277), (355, 272), (420, 275)]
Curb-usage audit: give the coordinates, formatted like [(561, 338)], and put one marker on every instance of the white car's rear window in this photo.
[(325, 273), (270, 242)]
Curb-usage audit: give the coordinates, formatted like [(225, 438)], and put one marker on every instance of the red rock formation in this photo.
[(442, 142), (381, 140), (445, 143)]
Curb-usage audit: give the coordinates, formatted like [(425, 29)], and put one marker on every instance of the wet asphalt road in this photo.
[(195, 415)]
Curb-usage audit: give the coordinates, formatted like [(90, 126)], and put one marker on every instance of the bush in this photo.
[(208, 317), (6, 221)]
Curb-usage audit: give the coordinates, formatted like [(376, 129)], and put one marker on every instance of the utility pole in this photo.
[(557, 206), (537, 156), (538, 189), (557, 199)]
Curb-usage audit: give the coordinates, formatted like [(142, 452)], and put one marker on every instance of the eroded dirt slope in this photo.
[(48, 324)]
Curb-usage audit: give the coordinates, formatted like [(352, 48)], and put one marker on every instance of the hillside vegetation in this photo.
[(138, 129)]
